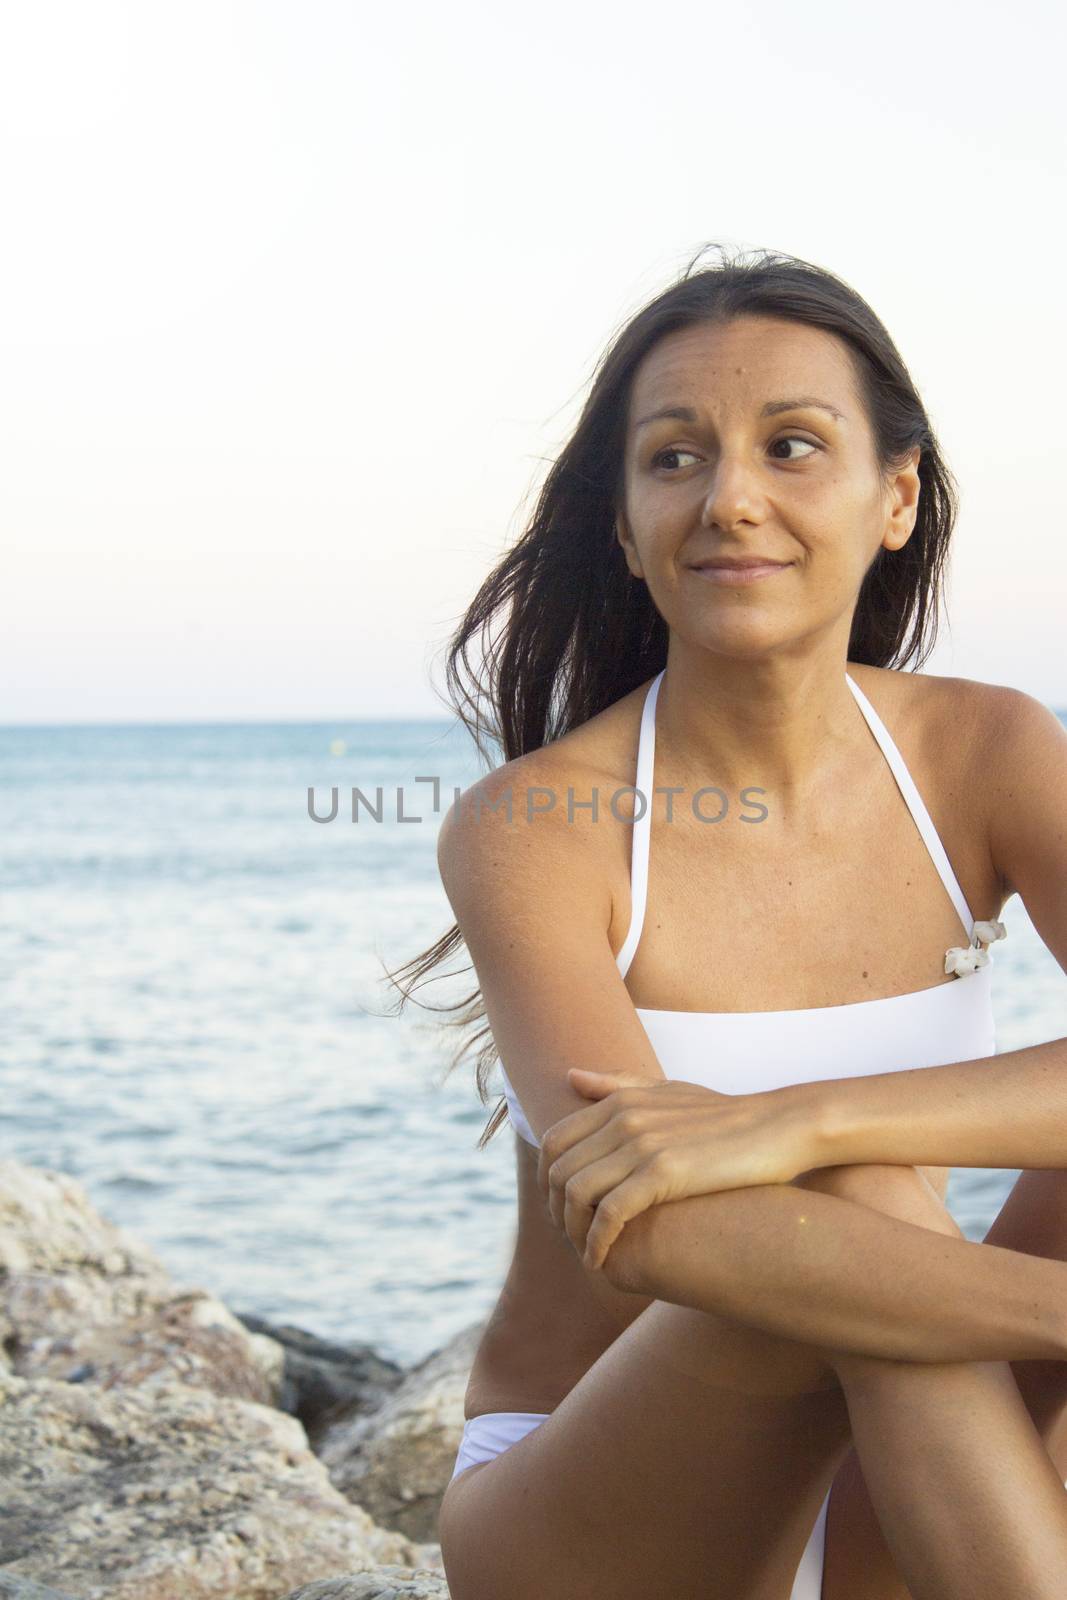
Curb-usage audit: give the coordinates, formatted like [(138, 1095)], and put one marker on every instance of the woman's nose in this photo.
[(733, 494)]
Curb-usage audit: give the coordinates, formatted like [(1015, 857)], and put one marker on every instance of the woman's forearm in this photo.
[(998, 1111), (828, 1271)]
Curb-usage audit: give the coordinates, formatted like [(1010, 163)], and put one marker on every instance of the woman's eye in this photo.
[(794, 438), (658, 460), (672, 456)]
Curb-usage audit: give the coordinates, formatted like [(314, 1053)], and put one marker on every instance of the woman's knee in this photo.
[(901, 1192)]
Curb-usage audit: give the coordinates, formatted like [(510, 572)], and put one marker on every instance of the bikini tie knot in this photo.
[(963, 959)]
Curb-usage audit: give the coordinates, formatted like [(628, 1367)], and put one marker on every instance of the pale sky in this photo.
[(297, 299)]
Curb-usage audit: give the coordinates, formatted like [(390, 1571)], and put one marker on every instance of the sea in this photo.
[(196, 921)]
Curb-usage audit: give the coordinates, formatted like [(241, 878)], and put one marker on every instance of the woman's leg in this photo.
[(691, 1458), (946, 1305), (697, 1450), (949, 1489), (968, 1501), (1033, 1220)]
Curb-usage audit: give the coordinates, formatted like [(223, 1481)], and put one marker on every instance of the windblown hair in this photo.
[(577, 631)]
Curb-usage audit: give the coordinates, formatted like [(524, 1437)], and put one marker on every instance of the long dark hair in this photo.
[(578, 631)]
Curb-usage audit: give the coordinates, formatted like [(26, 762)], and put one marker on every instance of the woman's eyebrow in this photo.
[(687, 414)]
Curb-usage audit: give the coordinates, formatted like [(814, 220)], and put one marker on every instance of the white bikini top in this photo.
[(743, 1052)]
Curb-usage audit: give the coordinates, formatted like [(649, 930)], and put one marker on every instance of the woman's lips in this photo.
[(739, 575)]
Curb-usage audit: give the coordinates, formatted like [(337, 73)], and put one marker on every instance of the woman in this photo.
[(735, 1007)]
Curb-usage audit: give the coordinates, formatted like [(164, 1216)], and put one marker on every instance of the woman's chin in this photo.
[(750, 643)]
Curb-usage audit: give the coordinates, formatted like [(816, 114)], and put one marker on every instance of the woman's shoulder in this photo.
[(947, 725), (547, 823), (571, 779), (961, 739), (942, 714)]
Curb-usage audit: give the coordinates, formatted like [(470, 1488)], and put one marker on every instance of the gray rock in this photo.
[(141, 1450), (84, 1302), (173, 1494), (322, 1380), (22, 1589), (396, 1461), (48, 1224), (189, 1337), (385, 1583)]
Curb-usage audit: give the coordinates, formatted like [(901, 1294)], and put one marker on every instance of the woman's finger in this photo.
[(563, 1135), (584, 1164), (601, 1171), (607, 1186), (577, 1126), (594, 1084), (634, 1195)]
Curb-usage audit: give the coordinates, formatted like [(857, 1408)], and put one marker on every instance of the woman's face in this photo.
[(767, 452)]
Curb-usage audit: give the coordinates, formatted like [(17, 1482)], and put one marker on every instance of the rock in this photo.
[(323, 1380), (396, 1461), (386, 1583), (61, 1263), (174, 1493), (48, 1223), (82, 1301), (191, 1338), (23, 1589), (141, 1451)]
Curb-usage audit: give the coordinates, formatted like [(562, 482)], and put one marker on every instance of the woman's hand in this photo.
[(644, 1143)]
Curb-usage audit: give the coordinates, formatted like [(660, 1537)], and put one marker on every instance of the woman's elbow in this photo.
[(630, 1262)]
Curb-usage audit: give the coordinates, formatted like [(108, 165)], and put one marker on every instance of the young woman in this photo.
[(743, 1351)]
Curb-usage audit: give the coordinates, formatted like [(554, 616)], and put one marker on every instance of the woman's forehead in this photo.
[(744, 359)]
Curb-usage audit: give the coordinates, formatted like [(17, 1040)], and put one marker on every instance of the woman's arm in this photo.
[(1009, 1110), (1001, 1111)]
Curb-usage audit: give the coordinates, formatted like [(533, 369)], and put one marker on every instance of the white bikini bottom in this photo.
[(490, 1434)]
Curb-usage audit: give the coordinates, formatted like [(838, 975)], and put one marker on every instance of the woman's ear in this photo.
[(625, 538), (904, 490)]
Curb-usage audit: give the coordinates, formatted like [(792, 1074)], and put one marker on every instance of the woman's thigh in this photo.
[(1033, 1220), (692, 1459), (680, 1464)]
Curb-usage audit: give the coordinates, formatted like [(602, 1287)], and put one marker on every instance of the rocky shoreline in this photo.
[(156, 1446)]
